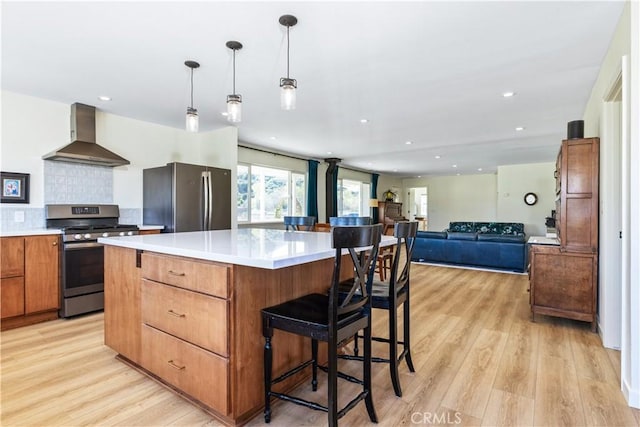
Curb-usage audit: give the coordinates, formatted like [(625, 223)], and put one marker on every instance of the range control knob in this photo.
[(105, 234), (121, 233), (87, 236), (77, 236)]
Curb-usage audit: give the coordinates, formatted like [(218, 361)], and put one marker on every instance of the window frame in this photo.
[(290, 193)]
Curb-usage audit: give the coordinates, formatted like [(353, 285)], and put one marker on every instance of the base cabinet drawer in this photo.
[(199, 276), (201, 374), (192, 316)]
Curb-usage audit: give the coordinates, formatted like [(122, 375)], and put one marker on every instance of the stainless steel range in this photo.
[(82, 275)]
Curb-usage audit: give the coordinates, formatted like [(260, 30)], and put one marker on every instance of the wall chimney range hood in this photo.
[(83, 147)]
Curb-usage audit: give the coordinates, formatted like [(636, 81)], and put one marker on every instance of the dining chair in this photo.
[(349, 220), (389, 295), (332, 319), (299, 223)]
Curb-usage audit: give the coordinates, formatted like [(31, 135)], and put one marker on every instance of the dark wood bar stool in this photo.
[(349, 220), (330, 319), (389, 296), (299, 223)]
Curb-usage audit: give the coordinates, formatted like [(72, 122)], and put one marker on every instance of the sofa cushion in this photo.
[(432, 234), (461, 227), (507, 238), (452, 235)]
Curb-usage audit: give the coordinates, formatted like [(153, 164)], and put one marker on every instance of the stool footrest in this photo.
[(292, 372), (343, 375), (299, 401)]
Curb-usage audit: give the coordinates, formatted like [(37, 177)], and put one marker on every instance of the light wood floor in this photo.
[(479, 361)]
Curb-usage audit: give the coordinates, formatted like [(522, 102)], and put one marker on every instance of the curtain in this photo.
[(374, 195), (312, 189)]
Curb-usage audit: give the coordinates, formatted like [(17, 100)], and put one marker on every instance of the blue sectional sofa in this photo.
[(494, 245)]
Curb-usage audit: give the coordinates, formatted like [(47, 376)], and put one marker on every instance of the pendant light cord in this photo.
[(234, 71), (288, 51), (192, 88)]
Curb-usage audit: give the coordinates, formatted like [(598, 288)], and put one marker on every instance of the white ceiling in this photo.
[(428, 72)]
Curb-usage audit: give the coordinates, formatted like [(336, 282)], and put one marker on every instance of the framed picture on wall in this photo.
[(15, 187)]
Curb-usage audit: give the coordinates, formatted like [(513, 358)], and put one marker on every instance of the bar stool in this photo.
[(299, 223), (330, 319), (389, 296)]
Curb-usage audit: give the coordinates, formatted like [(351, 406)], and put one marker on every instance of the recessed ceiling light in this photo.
[(395, 170), (457, 174), (364, 120), (409, 142), (454, 166), (437, 157), (329, 152), (369, 163), (479, 169), (508, 94), (419, 176), (224, 113), (273, 138), (104, 98), (519, 128)]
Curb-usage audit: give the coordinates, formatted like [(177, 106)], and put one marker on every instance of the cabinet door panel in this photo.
[(563, 282), (41, 273), (12, 289), (12, 253)]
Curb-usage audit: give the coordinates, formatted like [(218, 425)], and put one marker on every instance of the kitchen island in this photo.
[(184, 308)]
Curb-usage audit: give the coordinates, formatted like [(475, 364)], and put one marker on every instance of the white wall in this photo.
[(626, 41), (457, 198), (514, 181), (490, 197)]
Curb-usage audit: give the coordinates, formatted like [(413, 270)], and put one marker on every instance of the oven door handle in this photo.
[(82, 245)]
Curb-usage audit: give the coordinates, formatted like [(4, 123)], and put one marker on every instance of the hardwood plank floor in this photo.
[(479, 361)]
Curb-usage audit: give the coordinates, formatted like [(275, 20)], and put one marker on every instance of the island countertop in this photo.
[(251, 247)]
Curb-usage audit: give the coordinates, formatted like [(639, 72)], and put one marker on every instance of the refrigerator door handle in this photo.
[(210, 204), (204, 188)]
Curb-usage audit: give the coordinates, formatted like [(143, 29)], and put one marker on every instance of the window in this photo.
[(268, 194), (353, 198)]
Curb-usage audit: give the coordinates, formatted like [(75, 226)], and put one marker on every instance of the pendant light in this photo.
[(234, 101), (192, 113), (288, 85)]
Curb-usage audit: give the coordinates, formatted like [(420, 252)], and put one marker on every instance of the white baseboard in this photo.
[(632, 396)]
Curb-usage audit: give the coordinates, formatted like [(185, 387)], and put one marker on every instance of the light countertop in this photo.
[(151, 227), (30, 232), (252, 247), (542, 240)]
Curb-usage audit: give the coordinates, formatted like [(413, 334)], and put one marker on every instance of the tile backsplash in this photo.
[(67, 183), (77, 183)]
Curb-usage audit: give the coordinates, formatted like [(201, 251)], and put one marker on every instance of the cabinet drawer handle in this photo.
[(173, 313), (174, 366), (173, 273)]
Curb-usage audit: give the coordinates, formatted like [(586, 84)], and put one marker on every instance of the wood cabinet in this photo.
[(577, 201), (142, 232), (30, 288), (196, 326), (564, 278), (122, 315), (185, 325)]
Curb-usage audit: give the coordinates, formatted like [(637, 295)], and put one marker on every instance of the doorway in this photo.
[(417, 206)]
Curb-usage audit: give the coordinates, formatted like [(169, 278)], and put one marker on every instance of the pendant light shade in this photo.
[(288, 85), (192, 113), (234, 101)]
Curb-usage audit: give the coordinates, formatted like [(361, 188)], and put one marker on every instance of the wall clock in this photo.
[(530, 199)]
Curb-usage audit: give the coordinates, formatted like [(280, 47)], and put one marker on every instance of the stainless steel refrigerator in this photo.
[(185, 197)]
